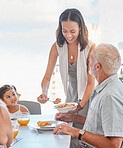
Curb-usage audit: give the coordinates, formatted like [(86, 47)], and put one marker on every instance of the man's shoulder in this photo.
[(112, 90), (115, 85)]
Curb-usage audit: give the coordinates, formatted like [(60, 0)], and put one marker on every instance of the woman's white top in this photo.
[(82, 76), (3, 105)]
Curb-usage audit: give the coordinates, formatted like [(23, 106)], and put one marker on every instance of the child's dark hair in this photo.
[(16, 90), (5, 88)]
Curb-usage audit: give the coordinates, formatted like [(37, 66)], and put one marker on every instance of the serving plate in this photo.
[(47, 127), (66, 109)]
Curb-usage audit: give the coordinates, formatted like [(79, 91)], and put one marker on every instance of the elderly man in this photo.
[(103, 126)]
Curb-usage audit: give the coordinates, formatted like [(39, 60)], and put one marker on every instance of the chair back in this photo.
[(33, 107)]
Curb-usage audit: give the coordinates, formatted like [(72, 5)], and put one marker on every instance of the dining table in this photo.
[(32, 138)]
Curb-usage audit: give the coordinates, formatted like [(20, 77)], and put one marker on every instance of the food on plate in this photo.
[(43, 123), (57, 101), (65, 105)]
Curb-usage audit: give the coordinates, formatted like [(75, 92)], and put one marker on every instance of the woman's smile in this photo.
[(69, 39), (70, 31)]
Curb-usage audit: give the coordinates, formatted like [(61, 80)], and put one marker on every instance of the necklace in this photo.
[(71, 57)]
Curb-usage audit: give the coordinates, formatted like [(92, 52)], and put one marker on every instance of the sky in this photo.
[(111, 21), (30, 25), (27, 32)]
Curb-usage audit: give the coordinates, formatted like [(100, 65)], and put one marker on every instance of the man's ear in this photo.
[(98, 66)]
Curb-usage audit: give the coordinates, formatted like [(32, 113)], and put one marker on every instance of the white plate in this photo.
[(47, 127)]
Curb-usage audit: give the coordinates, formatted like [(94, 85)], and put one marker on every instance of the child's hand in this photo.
[(42, 98)]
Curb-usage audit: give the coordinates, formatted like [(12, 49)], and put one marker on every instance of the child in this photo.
[(9, 95)]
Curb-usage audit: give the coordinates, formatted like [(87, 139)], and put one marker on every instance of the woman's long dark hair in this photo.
[(76, 16)]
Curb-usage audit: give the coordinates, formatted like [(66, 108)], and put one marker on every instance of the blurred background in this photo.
[(27, 32)]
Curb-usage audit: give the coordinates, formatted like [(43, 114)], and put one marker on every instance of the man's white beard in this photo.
[(92, 69)]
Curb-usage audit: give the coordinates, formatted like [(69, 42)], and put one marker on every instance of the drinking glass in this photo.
[(15, 128), (23, 119)]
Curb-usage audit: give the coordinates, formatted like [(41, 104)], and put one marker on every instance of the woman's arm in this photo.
[(89, 88), (50, 67), (88, 91), (7, 126), (9, 130), (90, 84)]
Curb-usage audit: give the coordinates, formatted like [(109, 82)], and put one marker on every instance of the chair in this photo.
[(33, 107)]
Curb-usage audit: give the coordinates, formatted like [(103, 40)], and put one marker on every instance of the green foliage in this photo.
[(121, 79)]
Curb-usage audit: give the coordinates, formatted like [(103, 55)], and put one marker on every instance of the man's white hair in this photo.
[(108, 56)]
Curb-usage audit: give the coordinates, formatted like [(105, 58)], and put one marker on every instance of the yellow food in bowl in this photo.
[(65, 105)]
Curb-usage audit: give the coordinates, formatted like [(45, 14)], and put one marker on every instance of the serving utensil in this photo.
[(52, 100), (47, 100)]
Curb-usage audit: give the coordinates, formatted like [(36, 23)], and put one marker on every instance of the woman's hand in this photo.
[(65, 128), (42, 98), (78, 108)]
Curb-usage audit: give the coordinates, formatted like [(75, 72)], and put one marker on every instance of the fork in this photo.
[(39, 131), (47, 100), (50, 100)]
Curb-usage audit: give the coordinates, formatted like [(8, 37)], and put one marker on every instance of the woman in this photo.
[(73, 48), (5, 127)]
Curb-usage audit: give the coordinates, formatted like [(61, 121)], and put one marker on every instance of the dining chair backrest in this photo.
[(33, 107)]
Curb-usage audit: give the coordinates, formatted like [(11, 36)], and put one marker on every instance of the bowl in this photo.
[(65, 107)]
